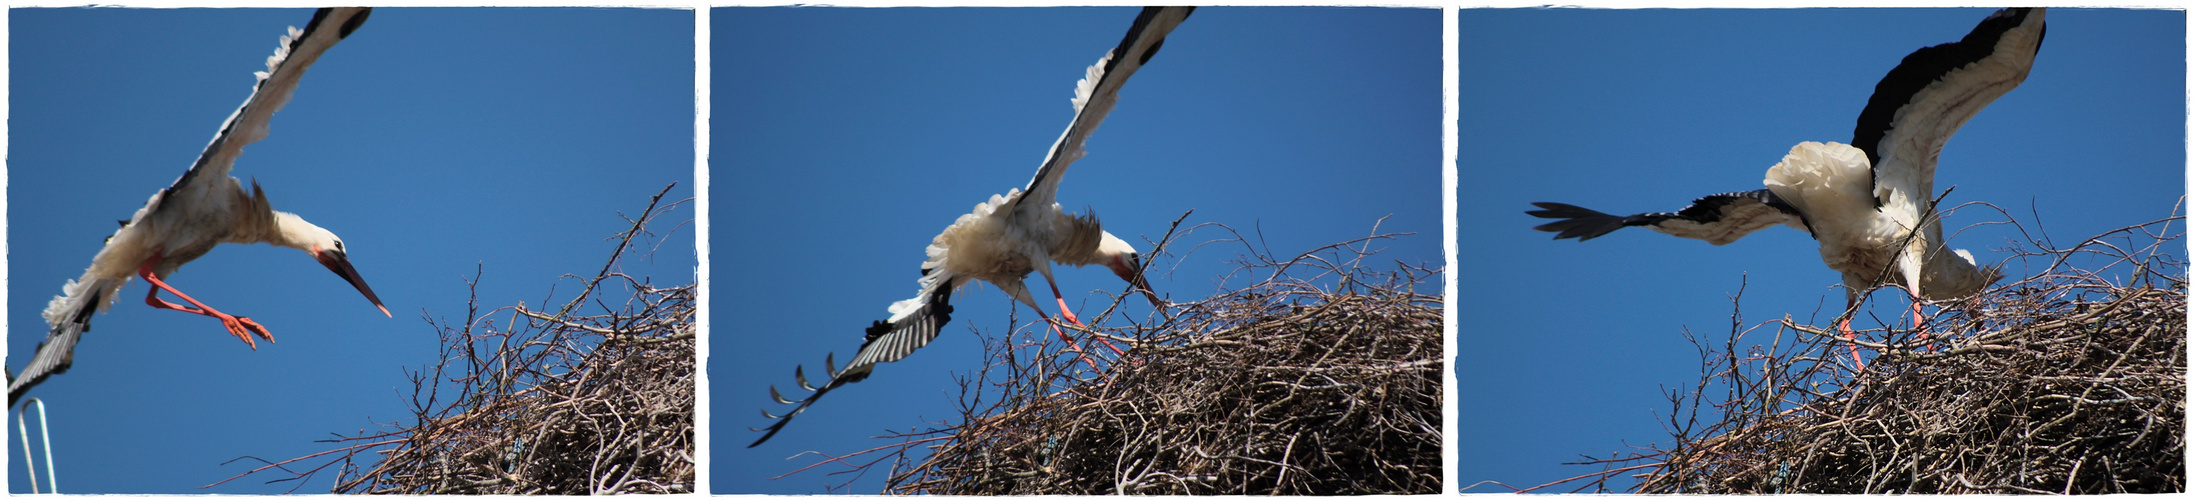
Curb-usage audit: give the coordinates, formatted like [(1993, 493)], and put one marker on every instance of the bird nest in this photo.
[(2064, 382), (561, 402), (1324, 377)]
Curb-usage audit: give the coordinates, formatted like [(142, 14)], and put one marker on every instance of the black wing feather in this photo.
[(1152, 25), (297, 56), (56, 353), (882, 342), (1584, 223), (1905, 84)]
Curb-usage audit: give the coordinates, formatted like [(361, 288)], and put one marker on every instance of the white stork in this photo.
[(1869, 204), (204, 208), (1005, 238)]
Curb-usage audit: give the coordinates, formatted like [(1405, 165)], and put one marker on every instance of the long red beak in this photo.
[(341, 265), (1128, 269), (1143, 286)]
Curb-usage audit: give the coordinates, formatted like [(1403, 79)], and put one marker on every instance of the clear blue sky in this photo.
[(844, 139), (432, 140), (1565, 347)]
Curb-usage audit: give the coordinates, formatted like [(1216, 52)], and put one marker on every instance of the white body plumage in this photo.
[(1831, 183)]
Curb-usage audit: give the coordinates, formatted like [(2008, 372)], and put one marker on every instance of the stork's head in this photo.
[(325, 247), (1121, 257)]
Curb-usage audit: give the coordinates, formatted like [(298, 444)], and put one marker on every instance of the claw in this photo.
[(243, 328), (256, 328), (237, 331)]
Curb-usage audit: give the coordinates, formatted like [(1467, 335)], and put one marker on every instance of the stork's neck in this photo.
[(255, 220), (1080, 237), (289, 230)]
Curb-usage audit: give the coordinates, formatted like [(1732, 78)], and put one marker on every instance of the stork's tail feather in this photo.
[(1577, 222)]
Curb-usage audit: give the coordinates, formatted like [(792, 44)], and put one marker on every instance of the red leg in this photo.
[(1916, 314), (1068, 313), (1064, 311), (1850, 307), (243, 328), (1071, 345), (1916, 318), (1116, 350)]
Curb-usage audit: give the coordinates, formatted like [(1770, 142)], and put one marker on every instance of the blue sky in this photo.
[(434, 141), (1566, 347), (844, 139)]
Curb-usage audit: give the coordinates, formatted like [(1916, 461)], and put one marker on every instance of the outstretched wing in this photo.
[(1718, 219), (285, 68), (1098, 92), (1928, 96), (886, 341), (69, 315)]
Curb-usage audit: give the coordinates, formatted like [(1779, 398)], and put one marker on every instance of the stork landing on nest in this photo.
[(1009, 236), (1870, 204)]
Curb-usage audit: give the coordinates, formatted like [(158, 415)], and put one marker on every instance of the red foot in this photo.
[(243, 328)]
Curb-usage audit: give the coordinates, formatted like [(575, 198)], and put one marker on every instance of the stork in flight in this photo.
[(1009, 236), (1870, 204), (204, 208)]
